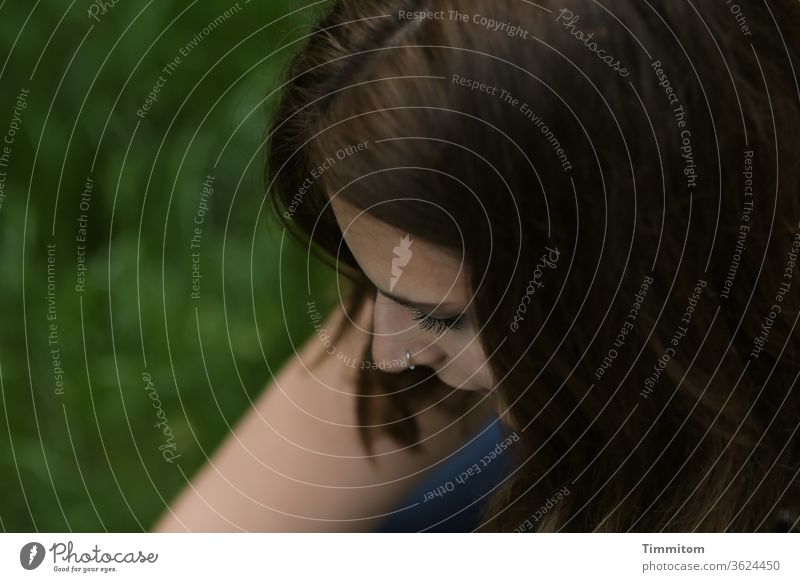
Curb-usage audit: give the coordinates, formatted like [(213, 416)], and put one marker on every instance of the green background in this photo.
[(89, 459)]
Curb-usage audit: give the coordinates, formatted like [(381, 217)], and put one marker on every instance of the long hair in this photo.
[(621, 180)]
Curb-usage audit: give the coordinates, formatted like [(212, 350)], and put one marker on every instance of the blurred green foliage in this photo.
[(89, 459)]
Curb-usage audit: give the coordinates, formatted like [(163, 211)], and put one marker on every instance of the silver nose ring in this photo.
[(409, 363)]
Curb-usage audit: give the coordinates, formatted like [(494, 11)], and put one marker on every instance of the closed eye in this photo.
[(435, 324)]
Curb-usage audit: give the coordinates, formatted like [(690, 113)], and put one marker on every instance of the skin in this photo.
[(295, 461), (434, 283)]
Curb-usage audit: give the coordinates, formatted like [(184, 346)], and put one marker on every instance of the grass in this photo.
[(85, 456)]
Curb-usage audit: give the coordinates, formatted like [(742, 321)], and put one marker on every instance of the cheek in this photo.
[(467, 363), (464, 349), (478, 362)]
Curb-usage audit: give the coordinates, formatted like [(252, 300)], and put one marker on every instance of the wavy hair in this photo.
[(621, 180)]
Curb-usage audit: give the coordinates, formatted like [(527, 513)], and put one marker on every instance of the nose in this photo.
[(395, 331)]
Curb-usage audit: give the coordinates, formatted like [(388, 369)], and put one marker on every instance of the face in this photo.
[(422, 304)]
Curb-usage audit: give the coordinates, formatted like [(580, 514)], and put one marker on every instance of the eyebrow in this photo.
[(427, 307)]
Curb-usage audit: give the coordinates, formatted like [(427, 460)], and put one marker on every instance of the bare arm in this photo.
[(295, 462)]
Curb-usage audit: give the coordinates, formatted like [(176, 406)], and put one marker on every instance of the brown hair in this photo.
[(652, 146)]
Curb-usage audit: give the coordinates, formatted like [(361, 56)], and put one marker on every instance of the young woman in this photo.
[(582, 218)]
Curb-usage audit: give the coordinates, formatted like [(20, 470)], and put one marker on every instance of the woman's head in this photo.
[(593, 206), (423, 301)]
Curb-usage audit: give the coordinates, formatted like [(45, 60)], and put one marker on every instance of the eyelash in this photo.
[(436, 325)]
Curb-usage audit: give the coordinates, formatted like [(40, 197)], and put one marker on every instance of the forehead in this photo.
[(398, 261)]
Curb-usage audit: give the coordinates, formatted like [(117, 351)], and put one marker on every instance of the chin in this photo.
[(466, 386), (451, 383)]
